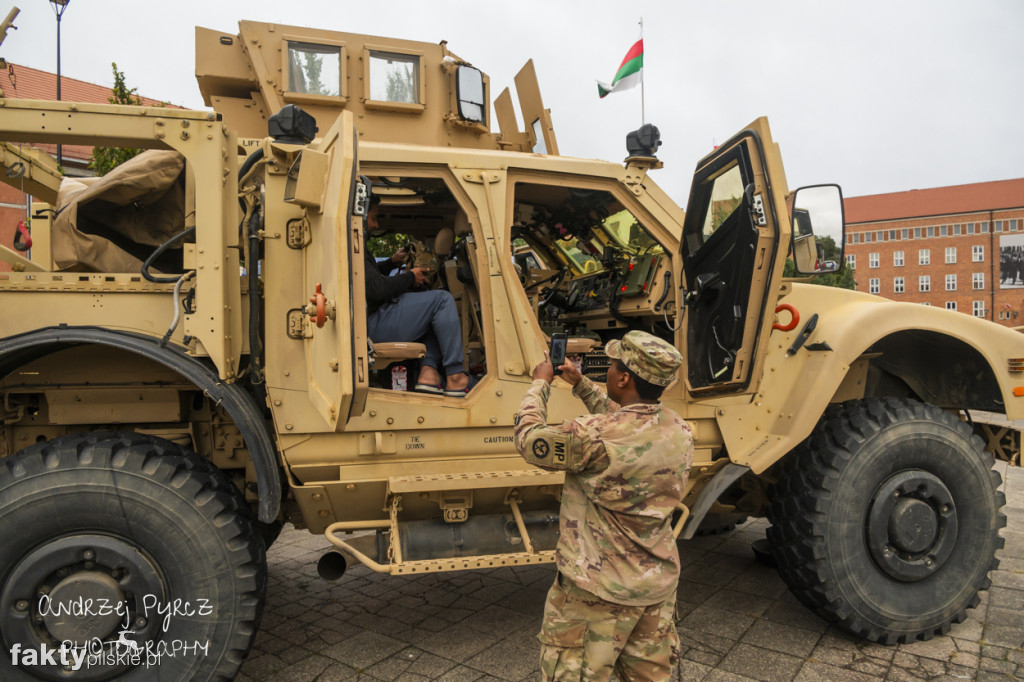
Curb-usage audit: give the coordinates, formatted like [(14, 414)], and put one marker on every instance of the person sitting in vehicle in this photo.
[(397, 311)]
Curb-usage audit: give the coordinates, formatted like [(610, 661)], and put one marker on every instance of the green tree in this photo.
[(314, 64), (399, 87), (106, 158)]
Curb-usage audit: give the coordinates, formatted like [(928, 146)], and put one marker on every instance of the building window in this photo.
[(950, 255), (905, 233), (1013, 225), (897, 259), (950, 305), (865, 237), (892, 235), (979, 309), (950, 282), (970, 228), (942, 230), (897, 285), (883, 236), (873, 260), (978, 253), (851, 261), (924, 283), (978, 280), (983, 228), (925, 303), (999, 226), (924, 257), (917, 233), (956, 230), (931, 230), (874, 285)]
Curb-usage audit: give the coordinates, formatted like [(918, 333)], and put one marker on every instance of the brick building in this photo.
[(22, 82), (960, 247)]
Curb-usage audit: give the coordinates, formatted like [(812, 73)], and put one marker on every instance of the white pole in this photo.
[(643, 108)]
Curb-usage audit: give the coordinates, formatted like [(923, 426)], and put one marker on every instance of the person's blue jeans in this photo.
[(428, 317)]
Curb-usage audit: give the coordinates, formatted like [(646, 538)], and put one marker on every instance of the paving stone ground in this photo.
[(736, 619)]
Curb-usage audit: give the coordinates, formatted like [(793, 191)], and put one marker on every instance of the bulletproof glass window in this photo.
[(314, 69), (394, 77)]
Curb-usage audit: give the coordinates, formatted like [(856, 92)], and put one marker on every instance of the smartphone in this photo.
[(557, 353)]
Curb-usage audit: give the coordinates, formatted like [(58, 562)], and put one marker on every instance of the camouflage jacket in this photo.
[(626, 470)]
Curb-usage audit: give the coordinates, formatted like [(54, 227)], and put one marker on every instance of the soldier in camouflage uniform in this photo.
[(626, 464)]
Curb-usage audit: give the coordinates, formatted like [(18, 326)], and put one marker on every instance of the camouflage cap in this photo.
[(646, 356)]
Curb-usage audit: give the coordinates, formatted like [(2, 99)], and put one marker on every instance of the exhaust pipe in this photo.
[(332, 566)]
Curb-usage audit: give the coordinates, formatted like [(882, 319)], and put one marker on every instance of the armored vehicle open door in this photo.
[(732, 262)]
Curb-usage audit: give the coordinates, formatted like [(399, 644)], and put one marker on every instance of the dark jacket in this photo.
[(379, 287)]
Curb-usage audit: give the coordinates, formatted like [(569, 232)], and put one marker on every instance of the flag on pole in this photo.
[(629, 75)]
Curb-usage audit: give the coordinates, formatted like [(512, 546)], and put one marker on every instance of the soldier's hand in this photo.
[(421, 276), (544, 370), (399, 256), (570, 372)]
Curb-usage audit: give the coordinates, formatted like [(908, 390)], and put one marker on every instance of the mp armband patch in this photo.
[(548, 449)]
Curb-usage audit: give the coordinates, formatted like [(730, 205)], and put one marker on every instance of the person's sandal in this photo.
[(461, 392), (434, 389)]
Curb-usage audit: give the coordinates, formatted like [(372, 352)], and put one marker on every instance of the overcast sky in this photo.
[(876, 95)]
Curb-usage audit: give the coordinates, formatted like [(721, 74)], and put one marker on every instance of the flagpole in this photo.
[(643, 107)]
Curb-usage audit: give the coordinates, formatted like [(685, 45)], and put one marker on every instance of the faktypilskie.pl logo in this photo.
[(124, 651)]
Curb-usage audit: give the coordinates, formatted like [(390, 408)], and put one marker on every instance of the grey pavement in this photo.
[(736, 619)]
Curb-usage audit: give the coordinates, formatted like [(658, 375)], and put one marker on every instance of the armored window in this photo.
[(924, 283), (313, 71), (897, 285), (874, 285), (393, 80)]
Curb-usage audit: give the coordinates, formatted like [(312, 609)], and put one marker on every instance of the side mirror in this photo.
[(819, 227), (470, 86)]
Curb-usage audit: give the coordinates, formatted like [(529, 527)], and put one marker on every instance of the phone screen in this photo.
[(558, 342)]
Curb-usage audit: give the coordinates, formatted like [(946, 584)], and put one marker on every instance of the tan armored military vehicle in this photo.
[(185, 362)]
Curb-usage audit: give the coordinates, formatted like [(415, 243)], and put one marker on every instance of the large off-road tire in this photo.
[(161, 542), (886, 520)]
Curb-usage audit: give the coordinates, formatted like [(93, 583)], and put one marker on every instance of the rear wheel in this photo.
[(886, 521), (132, 550)]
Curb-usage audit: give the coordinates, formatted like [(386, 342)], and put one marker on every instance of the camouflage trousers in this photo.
[(584, 637)]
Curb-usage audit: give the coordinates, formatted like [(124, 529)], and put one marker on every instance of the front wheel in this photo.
[(886, 521), (124, 557)]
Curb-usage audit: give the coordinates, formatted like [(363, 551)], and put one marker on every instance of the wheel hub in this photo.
[(85, 590), (912, 525), (91, 587)]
